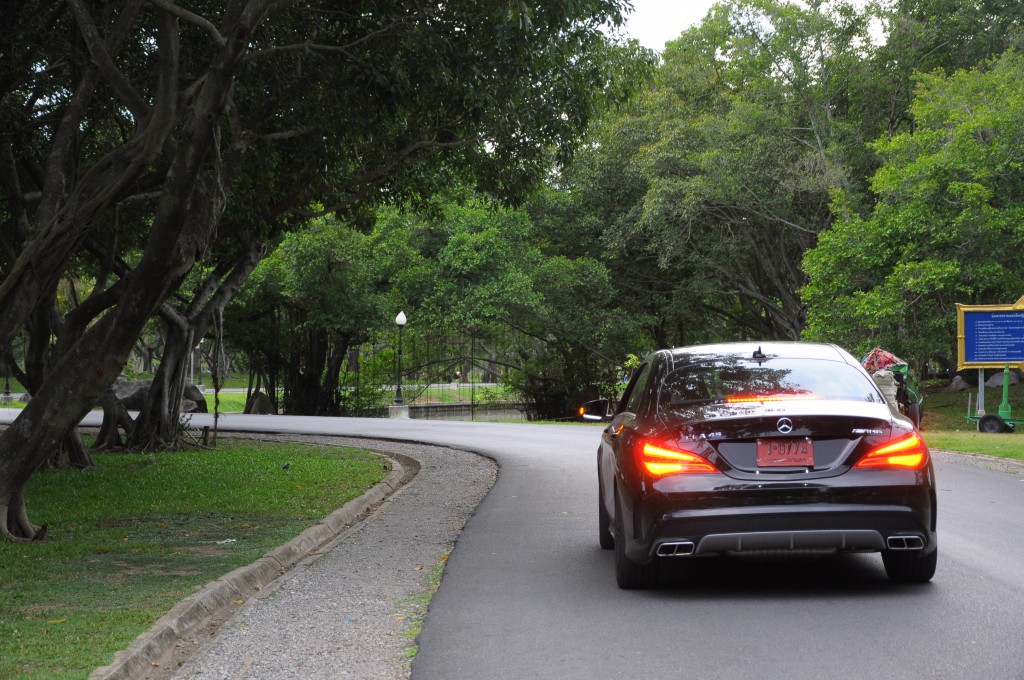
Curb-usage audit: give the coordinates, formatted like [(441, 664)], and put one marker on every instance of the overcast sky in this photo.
[(655, 22)]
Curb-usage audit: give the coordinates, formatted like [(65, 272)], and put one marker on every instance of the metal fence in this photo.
[(444, 375)]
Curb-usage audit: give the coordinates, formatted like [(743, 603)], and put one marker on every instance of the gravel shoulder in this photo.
[(352, 609)]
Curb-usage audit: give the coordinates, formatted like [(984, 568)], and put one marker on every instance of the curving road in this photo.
[(527, 593)]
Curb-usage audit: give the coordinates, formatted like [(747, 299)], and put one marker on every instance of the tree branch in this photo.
[(101, 59), (309, 46), (191, 18)]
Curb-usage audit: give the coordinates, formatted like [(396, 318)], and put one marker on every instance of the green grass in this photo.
[(948, 410), (946, 428), (463, 393), (134, 536), (230, 402), (1006, 445), (418, 604)]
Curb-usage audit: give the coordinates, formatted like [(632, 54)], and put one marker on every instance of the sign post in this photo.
[(991, 336)]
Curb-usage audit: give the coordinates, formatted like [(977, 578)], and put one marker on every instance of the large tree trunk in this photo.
[(158, 424), (115, 420), (311, 378)]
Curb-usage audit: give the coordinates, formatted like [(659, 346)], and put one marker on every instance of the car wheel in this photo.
[(604, 521), (908, 566), (628, 574), (992, 424), (914, 413)]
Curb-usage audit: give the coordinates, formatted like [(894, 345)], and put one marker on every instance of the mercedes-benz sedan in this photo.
[(760, 449)]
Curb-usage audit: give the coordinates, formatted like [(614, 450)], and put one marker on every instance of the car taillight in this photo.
[(906, 452), (659, 461)]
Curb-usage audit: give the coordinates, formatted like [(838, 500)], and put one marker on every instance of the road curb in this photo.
[(156, 645)]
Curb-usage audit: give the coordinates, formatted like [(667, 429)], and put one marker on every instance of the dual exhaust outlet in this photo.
[(905, 543), (676, 549)]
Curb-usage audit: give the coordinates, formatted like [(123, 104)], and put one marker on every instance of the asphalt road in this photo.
[(527, 593)]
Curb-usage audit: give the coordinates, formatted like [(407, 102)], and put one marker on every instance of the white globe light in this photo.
[(400, 319)]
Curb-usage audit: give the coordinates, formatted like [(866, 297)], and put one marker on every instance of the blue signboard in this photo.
[(993, 336)]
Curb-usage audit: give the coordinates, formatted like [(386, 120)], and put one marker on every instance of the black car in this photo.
[(760, 449)]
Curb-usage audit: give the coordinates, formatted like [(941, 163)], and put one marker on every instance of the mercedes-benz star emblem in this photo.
[(785, 425)]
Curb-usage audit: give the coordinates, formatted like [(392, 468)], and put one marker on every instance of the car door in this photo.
[(612, 459)]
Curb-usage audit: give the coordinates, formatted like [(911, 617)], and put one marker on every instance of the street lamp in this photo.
[(7, 397), (400, 320), (201, 386)]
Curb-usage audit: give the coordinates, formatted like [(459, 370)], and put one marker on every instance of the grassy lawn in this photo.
[(230, 402), (946, 428), (458, 393), (134, 536)]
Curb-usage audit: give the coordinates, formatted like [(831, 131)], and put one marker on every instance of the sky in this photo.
[(654, 22)]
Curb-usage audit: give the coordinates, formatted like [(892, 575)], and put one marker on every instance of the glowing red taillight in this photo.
[(658, 460), (908, 452)]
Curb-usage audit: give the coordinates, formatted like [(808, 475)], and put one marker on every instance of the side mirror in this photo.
[(599, 410)]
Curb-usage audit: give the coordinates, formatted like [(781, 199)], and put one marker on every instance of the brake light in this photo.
[(907, 452), (660, 461), (769, 397)]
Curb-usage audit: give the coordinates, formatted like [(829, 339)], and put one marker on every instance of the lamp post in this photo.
[(199, 347), (400, 320), (7, 397)]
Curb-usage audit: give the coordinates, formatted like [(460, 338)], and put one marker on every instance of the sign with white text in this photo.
[(990, 336)]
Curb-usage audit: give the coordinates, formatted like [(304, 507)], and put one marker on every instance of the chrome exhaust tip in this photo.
[(905, 543), (676, 549)]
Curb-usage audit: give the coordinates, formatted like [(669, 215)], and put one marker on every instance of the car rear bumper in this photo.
[(662, 529)]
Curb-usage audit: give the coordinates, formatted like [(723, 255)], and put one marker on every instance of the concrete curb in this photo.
[(155, 645)]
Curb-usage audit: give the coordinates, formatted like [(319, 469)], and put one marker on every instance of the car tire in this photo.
[(628, 574), (914, 413), (604, 520), (909, 566), (992, 424)]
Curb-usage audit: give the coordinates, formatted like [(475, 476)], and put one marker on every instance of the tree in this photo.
[(145, 145), (322, 293), (947, 227)]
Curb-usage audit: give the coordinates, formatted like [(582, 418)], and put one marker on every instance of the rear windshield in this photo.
[(744, 381)]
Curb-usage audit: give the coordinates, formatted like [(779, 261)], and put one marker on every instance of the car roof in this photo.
[(746, 350)]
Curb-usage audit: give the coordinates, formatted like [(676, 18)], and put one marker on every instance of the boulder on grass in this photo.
[(997, 379), (259, 404), (194, 395), (957, 384), (134, 393)]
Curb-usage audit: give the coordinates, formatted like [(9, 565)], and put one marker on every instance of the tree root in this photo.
[(16, 526)]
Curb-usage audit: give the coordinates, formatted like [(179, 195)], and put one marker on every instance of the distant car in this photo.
[(760, 448)]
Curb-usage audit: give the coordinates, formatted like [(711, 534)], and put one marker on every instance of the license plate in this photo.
[(780, 452)]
